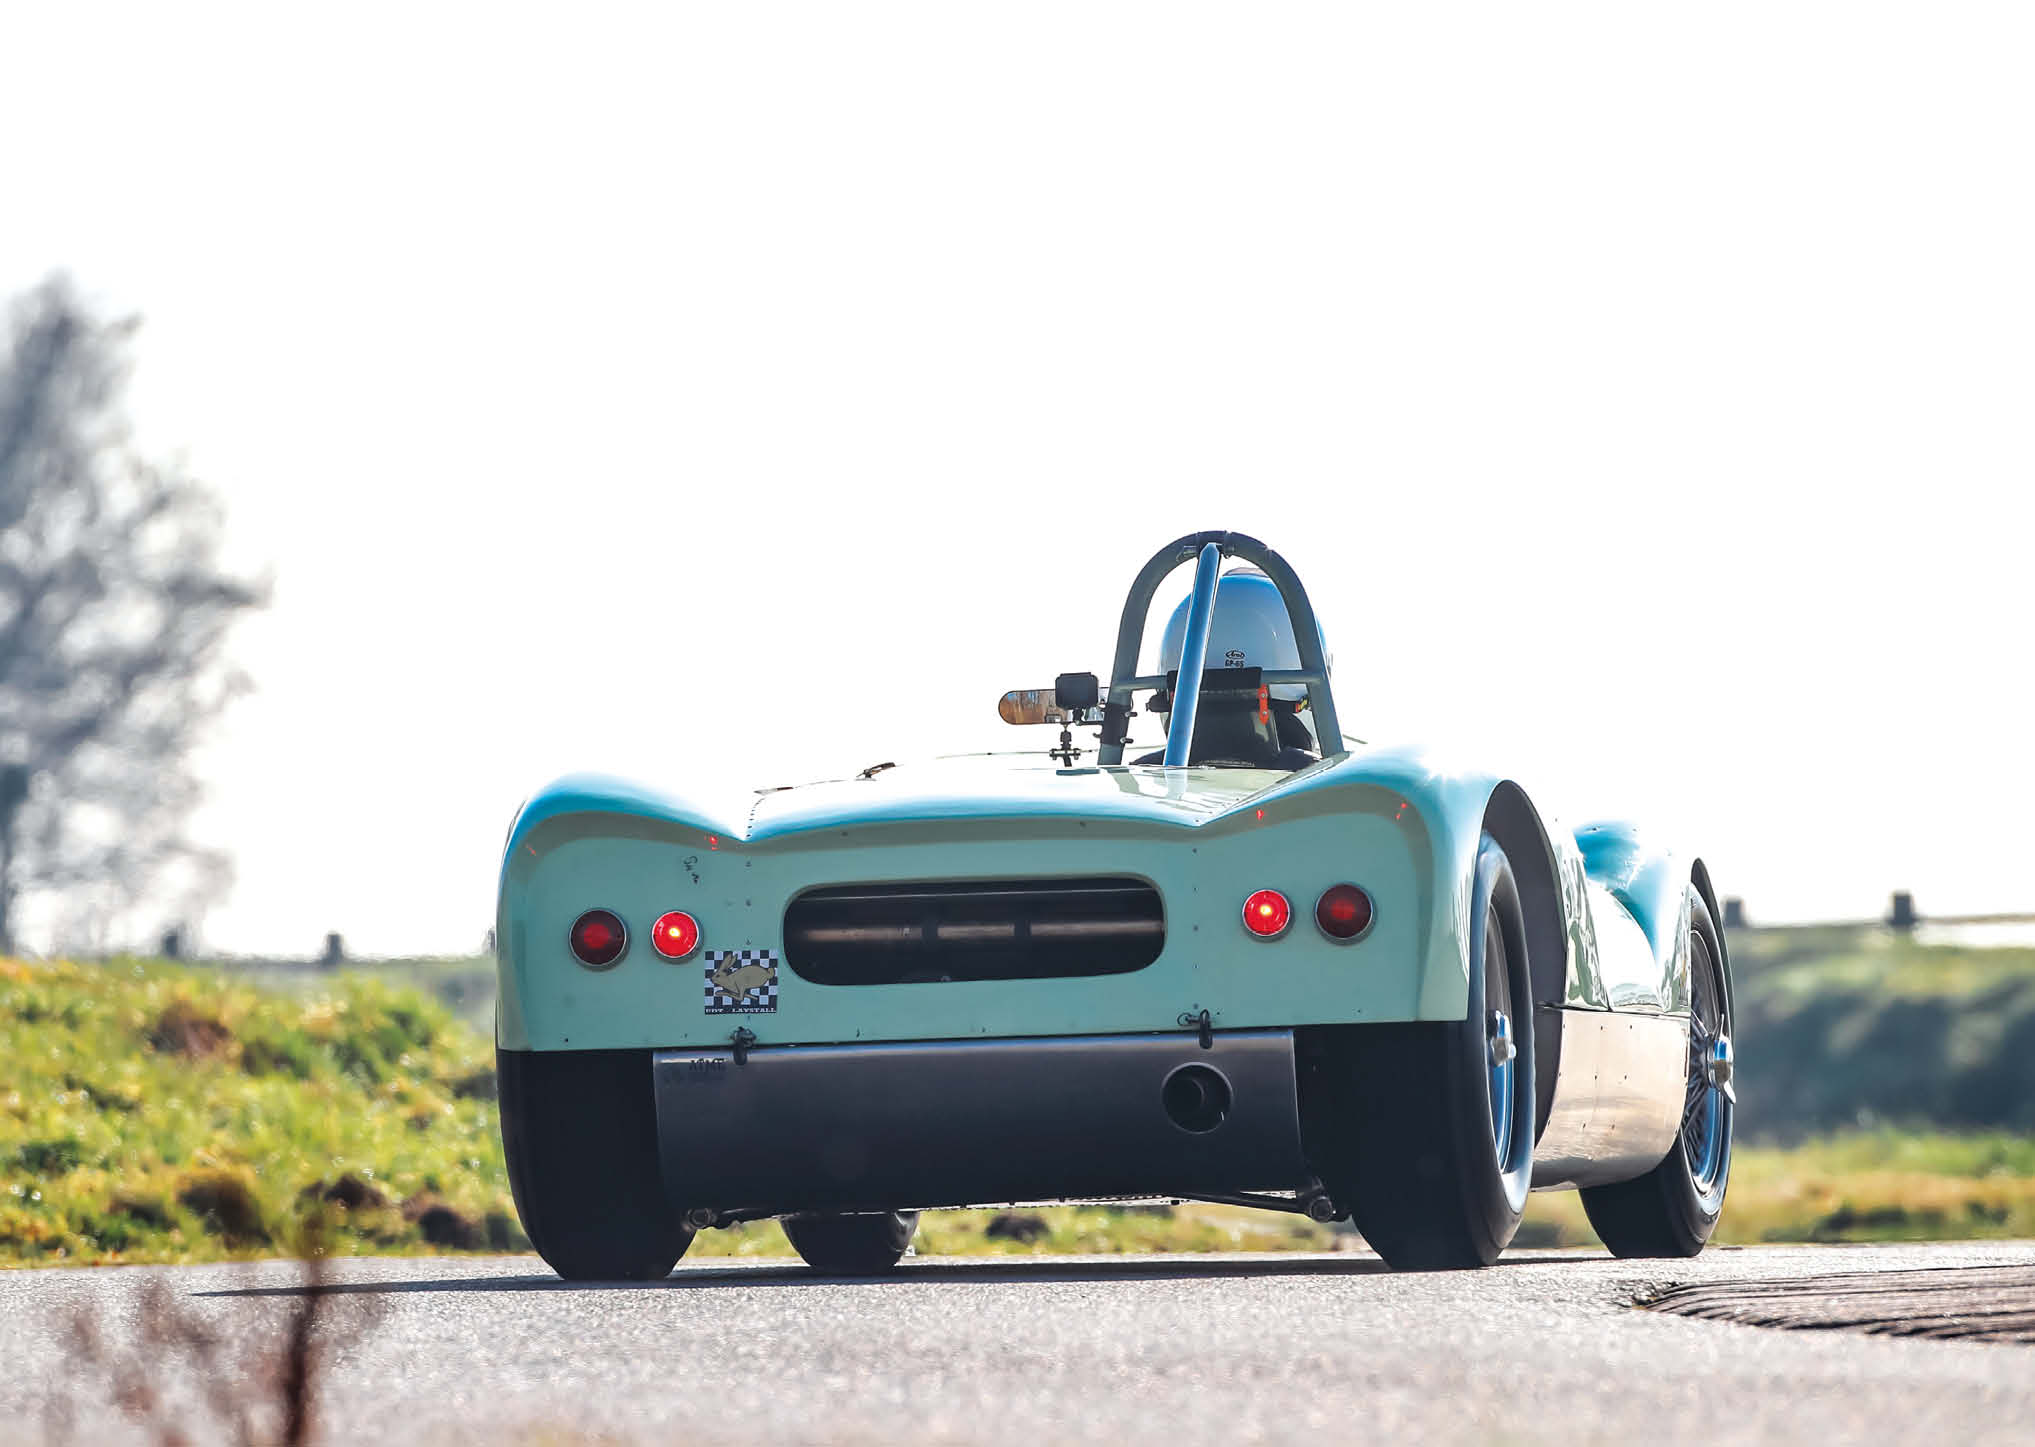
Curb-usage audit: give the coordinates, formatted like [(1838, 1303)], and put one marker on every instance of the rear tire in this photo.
[(860, 1245), (1417, 1127), (579, 1128), (1673, 1209)]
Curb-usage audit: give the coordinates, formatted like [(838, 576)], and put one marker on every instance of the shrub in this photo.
[(183, 1029), (444, 1225), (51, 1158), (280, 1052), (149, 1210), (476, 1085), (1023, 1226), (349, 1191), (228, 1204)]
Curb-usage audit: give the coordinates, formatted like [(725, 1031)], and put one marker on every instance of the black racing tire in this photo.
[(579, 1128), (858, 1245), (1674, 1208), (1401, 1120)]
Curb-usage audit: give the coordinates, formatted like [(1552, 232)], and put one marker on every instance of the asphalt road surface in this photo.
[(1546, 1347)]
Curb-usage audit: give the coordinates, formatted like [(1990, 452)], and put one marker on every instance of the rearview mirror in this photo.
[(1030, 706), (1042, 706)]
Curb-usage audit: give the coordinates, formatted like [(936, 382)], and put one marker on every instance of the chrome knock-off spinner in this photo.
[(1503, 1050), (1718, 1069)]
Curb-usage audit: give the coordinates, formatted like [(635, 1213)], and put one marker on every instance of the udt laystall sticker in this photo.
[(741, 982)]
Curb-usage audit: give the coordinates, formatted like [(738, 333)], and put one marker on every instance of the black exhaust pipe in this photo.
[(1196, 1097)]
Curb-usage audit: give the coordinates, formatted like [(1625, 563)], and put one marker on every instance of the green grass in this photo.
[(1877, 1185), (156, 1113), (162, 1114), (1885, 1185)]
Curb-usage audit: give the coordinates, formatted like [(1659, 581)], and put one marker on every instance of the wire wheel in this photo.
[(1707, 1104), (1673, 1209)]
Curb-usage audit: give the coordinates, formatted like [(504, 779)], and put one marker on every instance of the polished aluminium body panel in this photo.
[(1618, 1101), (1619, 1089), (846, 1127)]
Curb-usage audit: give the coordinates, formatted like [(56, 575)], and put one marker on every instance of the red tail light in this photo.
[(676, 935), (1344, 912), (598, 938), (1266, 914)]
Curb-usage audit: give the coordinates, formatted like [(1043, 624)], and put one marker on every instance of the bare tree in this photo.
[(113, 616)]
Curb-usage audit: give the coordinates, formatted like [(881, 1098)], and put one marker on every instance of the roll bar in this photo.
[(1193, 656), (1207, 551)]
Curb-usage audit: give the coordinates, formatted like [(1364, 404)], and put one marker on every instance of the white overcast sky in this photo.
[(734, 395)]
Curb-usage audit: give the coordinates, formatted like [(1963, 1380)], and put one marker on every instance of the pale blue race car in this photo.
[(1262, 965)]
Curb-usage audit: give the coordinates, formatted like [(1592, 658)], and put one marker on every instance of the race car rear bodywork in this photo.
[(998, 980)]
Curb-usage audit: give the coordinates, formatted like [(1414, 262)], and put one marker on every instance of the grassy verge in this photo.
[(1878, 1185), (149, 1113)]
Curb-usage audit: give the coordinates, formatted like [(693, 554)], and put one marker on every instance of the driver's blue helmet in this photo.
[(1250, 629)]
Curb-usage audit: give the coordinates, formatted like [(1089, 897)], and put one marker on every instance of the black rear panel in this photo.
[(1015, 929)]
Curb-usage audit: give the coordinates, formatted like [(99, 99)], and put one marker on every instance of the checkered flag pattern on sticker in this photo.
[(741, 982)]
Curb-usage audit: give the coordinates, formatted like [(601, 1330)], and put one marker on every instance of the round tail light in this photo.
[(1343, 912), (676, 935), (599, 938), (1266, 914)]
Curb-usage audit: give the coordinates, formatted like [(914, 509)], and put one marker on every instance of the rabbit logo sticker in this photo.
[(741, 982)]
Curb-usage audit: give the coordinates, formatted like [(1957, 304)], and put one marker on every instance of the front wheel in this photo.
[(1425, 1130), (860, 1245), (1673, 1209)]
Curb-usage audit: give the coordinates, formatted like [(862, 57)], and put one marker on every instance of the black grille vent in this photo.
[(999, 929)]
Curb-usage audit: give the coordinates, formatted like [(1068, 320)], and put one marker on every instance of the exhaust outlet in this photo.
[(1196, 1097)]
